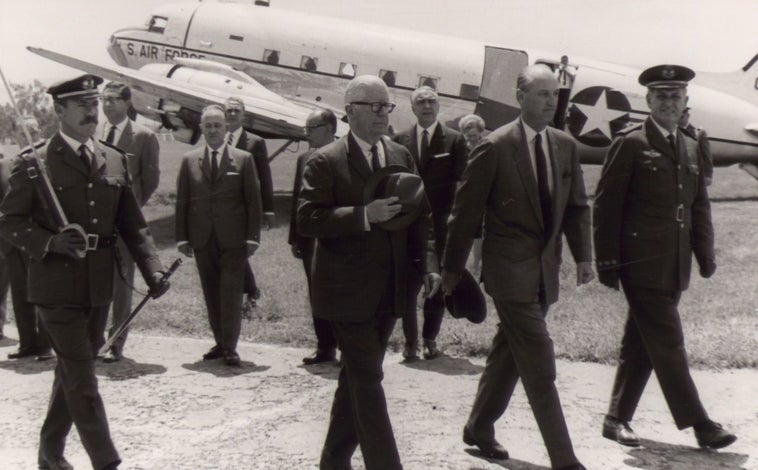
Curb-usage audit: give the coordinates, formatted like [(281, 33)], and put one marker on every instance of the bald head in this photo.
[(537, 93), (364, 85)]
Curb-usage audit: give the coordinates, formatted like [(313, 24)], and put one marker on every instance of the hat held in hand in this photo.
[(396, 180), (467, 300)]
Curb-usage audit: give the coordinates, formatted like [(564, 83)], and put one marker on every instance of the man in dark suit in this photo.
[(320, 127), (239, 138), (651, 213), (71, 274), (360, 271), (526, 179), (440, 155), (218, 221), (32, 337), (142, 149)]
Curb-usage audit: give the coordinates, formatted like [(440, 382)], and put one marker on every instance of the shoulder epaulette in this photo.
[(689, 131), (629, 128), (28, 149)]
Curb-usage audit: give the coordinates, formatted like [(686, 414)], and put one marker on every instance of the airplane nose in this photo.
[(114, 50)]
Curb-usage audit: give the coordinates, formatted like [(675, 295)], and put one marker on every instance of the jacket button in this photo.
[(92, 203), (94, 221), (90, 185)]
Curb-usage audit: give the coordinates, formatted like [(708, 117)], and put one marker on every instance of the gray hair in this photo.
[(471, 119)]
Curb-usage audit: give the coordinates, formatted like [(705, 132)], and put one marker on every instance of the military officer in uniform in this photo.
[(651, 213), (70, 277)]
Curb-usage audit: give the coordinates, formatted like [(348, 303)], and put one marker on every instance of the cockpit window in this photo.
[(347, 70), (429, 81), (157, 24)]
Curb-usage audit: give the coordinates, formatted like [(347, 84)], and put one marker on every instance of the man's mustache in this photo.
[(88, 120)]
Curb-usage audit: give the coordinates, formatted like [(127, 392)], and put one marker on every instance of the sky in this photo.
[(708, 35)]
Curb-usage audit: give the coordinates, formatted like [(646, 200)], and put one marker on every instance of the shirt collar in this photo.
[(220, 150), (120, 126), (75, 144), (366, 147), (430, 130), (664, 132), (531, 133)]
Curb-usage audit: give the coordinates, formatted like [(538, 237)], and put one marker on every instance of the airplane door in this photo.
[(497, 103)]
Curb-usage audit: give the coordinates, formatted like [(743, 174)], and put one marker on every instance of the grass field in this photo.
[(720, 315)]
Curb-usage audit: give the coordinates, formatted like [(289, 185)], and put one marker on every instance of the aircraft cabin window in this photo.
[(388, 76), (347, 70), (309, 63), (271, 57), (234, 37), (157, 24), (469, 92), (431, 82)]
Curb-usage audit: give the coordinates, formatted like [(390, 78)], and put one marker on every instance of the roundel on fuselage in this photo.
[(596, 114)]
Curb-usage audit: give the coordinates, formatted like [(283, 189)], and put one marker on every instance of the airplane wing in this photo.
[(271, 115)]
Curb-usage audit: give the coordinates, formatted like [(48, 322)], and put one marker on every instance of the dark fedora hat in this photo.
[(397, 180), (467, 300)]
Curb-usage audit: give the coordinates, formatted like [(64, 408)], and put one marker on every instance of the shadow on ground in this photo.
[(510, 464), (446, 365), (126, 369), (219, 369), (28, 365), (653, 455)]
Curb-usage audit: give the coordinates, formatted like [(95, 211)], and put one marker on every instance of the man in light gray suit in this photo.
[(141, 148), (526, 180)]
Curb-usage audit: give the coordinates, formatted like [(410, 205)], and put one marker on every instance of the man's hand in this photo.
[(251, 248), (584, 272), (449, 281), (707, 270), (185, 249), (296, 252), (381, 210), (270, 220), (432, 283), (68, 243), (158, 286)]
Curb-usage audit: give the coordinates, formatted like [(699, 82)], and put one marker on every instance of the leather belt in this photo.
[(100, 242)]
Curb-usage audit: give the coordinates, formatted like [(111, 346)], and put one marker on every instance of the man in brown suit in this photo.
[(526, 179), (360, 271), (142, 149), (218, 221), (238, 137)]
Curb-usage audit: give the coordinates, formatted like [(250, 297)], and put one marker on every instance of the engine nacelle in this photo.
[(183, 123)]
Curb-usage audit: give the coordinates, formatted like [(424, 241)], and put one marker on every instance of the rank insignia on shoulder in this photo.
[(652, 153)]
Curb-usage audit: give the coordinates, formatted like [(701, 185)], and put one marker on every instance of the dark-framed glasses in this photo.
[(377, 107)]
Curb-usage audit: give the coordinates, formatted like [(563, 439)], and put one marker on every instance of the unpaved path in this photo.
[(170, 410)]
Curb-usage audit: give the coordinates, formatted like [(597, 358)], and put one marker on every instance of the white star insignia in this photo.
[(599, 116)]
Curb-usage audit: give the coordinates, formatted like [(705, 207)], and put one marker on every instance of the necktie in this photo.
[(214, 164), (84, 156), (111, 135), (376, 165), (542, 184), (672, 142), (424, 153), (230, 139)]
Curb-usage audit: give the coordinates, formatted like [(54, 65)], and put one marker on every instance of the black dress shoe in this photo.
[(231, 358), (321, 355), (214, 353), (45, 354), (409, 353), (21, 353), (113, 355), (491, 449), (430, 349), (712, 435), (56, 464), (619, 431), (576, 466)]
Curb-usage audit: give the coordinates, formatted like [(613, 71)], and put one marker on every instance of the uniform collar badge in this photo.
[(652, 153)]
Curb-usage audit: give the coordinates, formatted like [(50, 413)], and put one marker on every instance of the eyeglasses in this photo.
[(376, 107), (110, 99), (314, 127)]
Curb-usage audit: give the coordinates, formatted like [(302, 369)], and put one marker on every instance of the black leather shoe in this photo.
[(491, 449), (409, 353), (21, 353), (430, 349), (45, 354), (619, 431), (113, 355), (712, 435), (576, 466), (57, 464), (321, 355), (214, 353), (231, 358)]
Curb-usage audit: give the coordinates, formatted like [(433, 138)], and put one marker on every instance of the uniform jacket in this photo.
[(652, 211), (228, 207), (100, 200), (257, 146), (704, 147), (442, 170), (142, 150), (294, 238), (500, 182), (351, 265)]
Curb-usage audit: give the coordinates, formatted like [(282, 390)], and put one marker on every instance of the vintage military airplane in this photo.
[(188, 54)]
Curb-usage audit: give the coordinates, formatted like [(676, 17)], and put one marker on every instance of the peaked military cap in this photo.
[(82, 86), (118, 89), (666, 76)]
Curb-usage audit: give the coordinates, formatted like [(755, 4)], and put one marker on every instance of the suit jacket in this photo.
[(99, 199), (5, 176), (442, 170), (352, 265), (257, 146), (499, 181), (141, 147), (294, 238), (652, 211), (228, 207)]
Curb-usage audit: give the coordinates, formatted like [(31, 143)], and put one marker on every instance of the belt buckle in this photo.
[(680, 213), (92, 239)]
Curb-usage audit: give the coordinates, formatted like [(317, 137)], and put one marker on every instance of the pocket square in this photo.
[(441, 155), (231, 173)]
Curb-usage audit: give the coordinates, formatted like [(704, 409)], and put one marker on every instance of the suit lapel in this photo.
[(658, 141), (556, 161), (356, 159), (204, 161), (414, 146), (98, 160), (524, 165), (125, 140), (242, 141), (224, 164), (390, 157)]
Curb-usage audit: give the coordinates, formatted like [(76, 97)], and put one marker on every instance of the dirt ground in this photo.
[(170, 410)]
